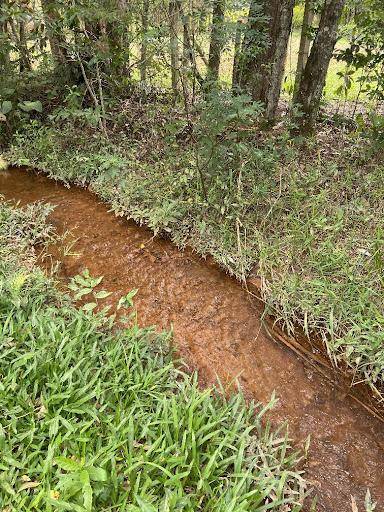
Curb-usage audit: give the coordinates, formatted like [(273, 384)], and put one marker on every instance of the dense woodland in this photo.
[(96, 52), (251, 131)]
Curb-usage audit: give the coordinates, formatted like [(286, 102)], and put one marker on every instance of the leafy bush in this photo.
[(364, 55), (371, 127)]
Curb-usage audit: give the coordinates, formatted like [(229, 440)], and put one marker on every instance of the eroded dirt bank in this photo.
[(218, 331)]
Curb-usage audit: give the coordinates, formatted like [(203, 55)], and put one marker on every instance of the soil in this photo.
[(219, 332)]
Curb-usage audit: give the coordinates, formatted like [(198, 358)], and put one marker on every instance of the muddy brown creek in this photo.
[(217, 331)]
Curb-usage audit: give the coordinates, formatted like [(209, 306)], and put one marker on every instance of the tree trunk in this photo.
[(185, 69), (305, 41), (116, 35), (264, 51), (174, 25), (217, 40), (188, 71), (189, 54), (24, 60), (144, 42), (125, 38), (309, 91), (253, 40), (271, 87), (4, 42), (237, 54)]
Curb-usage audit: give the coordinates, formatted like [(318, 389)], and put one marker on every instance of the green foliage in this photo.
[(94, 417), (365, 53), (83, 285), (20, 102), (24, 229), (298, 16), (311, 231), (371, 127), (224, 129)]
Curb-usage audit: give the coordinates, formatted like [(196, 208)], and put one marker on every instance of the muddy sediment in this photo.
[(218, 331)]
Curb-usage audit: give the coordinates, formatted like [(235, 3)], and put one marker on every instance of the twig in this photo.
[(319, 365), (101, 100), (91, 92)]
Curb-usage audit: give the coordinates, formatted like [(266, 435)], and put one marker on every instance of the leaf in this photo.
[(82, 292), (127, 301), (29, 106), (144, 505), (102, 294), (67, 464), (354, 505), (6, 107), (7, 487), (89, 306), (86, 490), (64, 505), (97, 474), (73, 287), (29, 485), (88, 497)]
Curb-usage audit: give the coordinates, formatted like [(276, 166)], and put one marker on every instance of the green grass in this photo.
[(309, 223), (97, 418)]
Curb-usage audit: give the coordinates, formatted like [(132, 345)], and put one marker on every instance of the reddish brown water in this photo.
[(217, 330)]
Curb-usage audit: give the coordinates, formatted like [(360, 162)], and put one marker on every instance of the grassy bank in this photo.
[(307, 219), (94, 418)]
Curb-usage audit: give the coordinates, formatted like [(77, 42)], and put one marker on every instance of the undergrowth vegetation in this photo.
[(94, 417), (311, 227), (306, 219)]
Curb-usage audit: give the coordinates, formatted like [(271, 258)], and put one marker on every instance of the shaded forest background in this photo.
[(85, 54)]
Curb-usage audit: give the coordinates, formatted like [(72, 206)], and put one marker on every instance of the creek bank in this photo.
[(217, 330)]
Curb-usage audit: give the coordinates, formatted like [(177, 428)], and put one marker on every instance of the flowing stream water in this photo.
[(218, 331)]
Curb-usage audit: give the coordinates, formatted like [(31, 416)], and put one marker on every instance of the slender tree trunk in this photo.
[(309, 92), (174, 26), (271, 87), (4, 42), (189, 72), (144, 41), (264, 51), (125, 38), (118, 38), (25, 62), (237, 54), (217, 40), (185, 69), (253, 41), (305, 41)]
